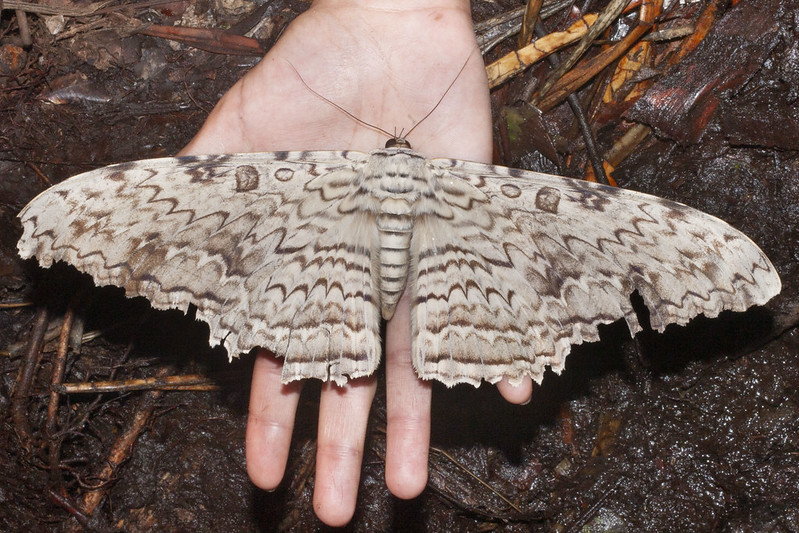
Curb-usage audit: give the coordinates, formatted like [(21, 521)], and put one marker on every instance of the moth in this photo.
[(303, 253)]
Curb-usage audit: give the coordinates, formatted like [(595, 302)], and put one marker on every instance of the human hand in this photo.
[(387, 63)]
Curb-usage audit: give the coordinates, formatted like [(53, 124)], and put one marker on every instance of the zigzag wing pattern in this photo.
[(532, 264), (254, 241), (507, 269)]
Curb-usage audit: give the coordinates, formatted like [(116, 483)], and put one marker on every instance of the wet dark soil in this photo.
[(696, 429)]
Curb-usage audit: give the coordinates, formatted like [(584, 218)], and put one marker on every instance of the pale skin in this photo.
[(387, 63)]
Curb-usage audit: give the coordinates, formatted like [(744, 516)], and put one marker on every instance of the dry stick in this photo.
[(496, 29), (25, 376), (13, 305), (627, 144), (34, 7), (60, 363), (98, 8), (511, 64), (188, 382), (24, 30), (579, 114), (476, 477), (531, 12), (611, 13), (76, 332), (211, 40), (123, 447), (39, 174), (70, 507), (574, 79), (629, 66), (491, 31), (90, 408)]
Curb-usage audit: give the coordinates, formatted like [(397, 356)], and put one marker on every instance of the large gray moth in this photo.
[(304, 252)]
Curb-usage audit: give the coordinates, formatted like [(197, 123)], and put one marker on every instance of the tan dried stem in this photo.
[(193, 382), (515, 62)]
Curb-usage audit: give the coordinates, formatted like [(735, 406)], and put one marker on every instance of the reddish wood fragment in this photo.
[(680, 105), (702, 27), (622, 91), (210, 40), (629, 66)]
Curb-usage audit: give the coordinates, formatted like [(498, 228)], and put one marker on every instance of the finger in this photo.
[(270, 421), (407, 410), (518, 394), (343, 413)]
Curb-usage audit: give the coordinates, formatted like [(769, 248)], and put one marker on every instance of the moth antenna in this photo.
[(395, 139), (458, 75), (336, 106)]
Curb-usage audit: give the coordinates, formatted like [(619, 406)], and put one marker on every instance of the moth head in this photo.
[(398, 142)]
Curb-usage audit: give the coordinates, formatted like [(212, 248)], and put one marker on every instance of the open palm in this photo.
[(388, 67)]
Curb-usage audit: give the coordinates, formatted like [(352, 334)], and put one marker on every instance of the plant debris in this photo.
[(117, 417)]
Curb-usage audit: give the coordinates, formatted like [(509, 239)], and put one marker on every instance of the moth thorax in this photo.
[(395, 226), (398, 142)]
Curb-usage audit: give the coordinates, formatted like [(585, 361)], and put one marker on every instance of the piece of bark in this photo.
[(680, 105)]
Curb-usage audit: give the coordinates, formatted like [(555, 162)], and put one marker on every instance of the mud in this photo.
[(696, 429)]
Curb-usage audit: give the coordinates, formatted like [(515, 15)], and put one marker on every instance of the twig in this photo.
[(123, 447), (25, 376), (43, 9), (477, 478), (98, 8), (70, 507), (208, 39), (14, 305), (41, 175), (611, 13), (494, 30), (186, 382), (60, 363), (24, 30), (511, 64), (574, 79), (531, 12), (579, 114), (626, 144), (630, 140)]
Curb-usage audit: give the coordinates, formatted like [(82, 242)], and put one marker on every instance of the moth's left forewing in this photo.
[(565, 255)]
